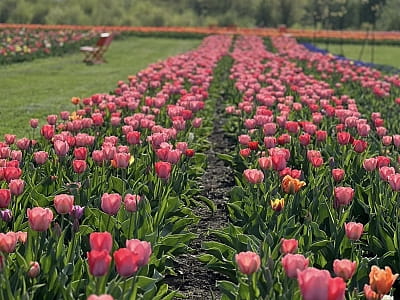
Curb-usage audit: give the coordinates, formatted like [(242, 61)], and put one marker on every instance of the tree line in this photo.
[(317, 14)]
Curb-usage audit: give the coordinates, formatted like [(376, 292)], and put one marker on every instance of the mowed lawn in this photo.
[(45, 86), (384, 55)]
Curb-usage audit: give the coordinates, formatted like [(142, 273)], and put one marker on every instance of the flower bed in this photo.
[(98, 201), (24, 44), (314, 213)]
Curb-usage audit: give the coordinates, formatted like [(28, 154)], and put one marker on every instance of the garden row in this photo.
[(24, 44), (315, 210), (98, 201)]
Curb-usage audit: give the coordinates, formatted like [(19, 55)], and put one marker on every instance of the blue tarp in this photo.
[(384, 68)]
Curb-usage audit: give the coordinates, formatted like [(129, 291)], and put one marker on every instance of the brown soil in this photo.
[(194, 280)]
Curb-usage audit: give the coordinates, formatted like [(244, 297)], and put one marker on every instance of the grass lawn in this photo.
[(45, 86), (384, 55)]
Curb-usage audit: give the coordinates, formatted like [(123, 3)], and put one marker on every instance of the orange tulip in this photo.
[(381, 281), (291, 185)]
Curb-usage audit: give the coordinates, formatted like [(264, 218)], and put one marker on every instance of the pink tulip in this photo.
[(16, 186), (344, 268), (80, 153), (34, 269), (385, 172), (314, 283), (248, 262), (131, 202), (64, 203), (110, 203), (39, 218), (142, 249), (122, 160), (343, 196), (8, 242), (101, 297), (293, 262), (353, 230), (289, 246), (394, 181), (265, 162), (40, 157), (369, 164), (336, 289), (253, 176)]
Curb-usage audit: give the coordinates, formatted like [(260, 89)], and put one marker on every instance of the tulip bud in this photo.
[(34, 269)]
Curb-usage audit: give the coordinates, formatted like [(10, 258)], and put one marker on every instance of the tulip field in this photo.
[(23, 44), (249, 164)]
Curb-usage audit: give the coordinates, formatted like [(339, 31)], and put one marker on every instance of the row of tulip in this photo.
[(22, 44), (314, 213), (109, 184)]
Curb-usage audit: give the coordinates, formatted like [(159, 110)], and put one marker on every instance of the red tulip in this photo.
[(248, 262), (80, 153), (343, 138), (336, 289), (9, 138), (64, 203), (126, 262), (163, 169), (189, 152), (382, 161), (133, 137), (353, 230), (5, 198), (344, 268), (110, 203), (101, 241), (360, 146), (47, 131), (245, 152), (289, 246), (79, 166), (294, 262), (99, 262), (253, 176), (338, 174), (39, 218), (304, 139), (11, 173), (278, 161), (321, 135)]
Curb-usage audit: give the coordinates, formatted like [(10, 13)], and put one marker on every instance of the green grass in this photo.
[(384, 55), (45, 86)]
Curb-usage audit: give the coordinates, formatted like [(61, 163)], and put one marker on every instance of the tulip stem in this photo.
[(124, 289), (130, 225), (108, 222), (251, 290), (134, 289)]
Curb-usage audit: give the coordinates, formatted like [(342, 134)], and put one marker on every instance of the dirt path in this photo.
[(194, 280)]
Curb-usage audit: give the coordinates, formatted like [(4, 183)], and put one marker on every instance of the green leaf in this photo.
[(229, 289)]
